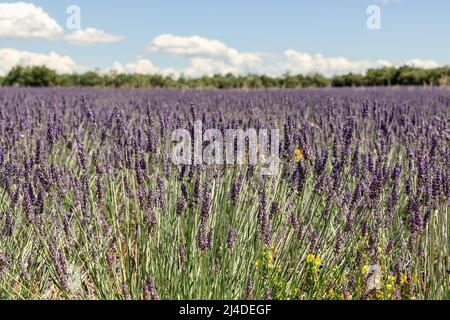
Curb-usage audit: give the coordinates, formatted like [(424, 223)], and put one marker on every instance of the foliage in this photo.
[(39, 76), (388, 76)]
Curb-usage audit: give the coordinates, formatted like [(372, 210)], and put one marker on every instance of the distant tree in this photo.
[(36, 76), (252, 81), (444, 77), (290, 81), (338, 81), (14, 77), (412, 76), (319, 80), (41, 76), (158, 81), (120, 80), (382, 77), (67, 80), (90, 79)]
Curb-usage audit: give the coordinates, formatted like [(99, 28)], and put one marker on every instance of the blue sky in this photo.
[(261, 32)]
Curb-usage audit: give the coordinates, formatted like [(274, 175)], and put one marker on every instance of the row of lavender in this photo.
[(92, 207)]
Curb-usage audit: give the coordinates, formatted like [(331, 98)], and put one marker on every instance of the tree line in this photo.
[(41, 76)]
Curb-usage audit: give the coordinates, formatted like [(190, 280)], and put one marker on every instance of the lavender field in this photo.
[(92, 206)]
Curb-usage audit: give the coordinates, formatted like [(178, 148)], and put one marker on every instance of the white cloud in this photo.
[(304, 63), (291, 61), (193, 45), (143, 66), (206, 66), (426, 64), (90, 36), (198, 66), (10, 58), (214, 53), (210, 56), (26, 20)]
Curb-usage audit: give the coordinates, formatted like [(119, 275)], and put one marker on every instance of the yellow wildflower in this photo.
[(257, 263), (298, 155), (365, 269), (317, 261), (331, 293), (270, 256), (380, 250), (404, 279), (389, 287), (380, 295), (310, 258), (391, 278)]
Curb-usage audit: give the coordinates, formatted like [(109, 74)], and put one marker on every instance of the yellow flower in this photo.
[(331, 293), (404, 279), (257, 263), (389, 287), (380, 250), (298, 155), (317, 261), (380, 295), (310, 258), (365, 269), (391, 278), (270, 256)]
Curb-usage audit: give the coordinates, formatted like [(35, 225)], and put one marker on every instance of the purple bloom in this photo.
[(182, 254), (149, 290), (3, 263), (231, 238), (181, 203), (249, 291)]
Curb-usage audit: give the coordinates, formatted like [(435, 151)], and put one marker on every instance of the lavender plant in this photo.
[(92, 207)]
